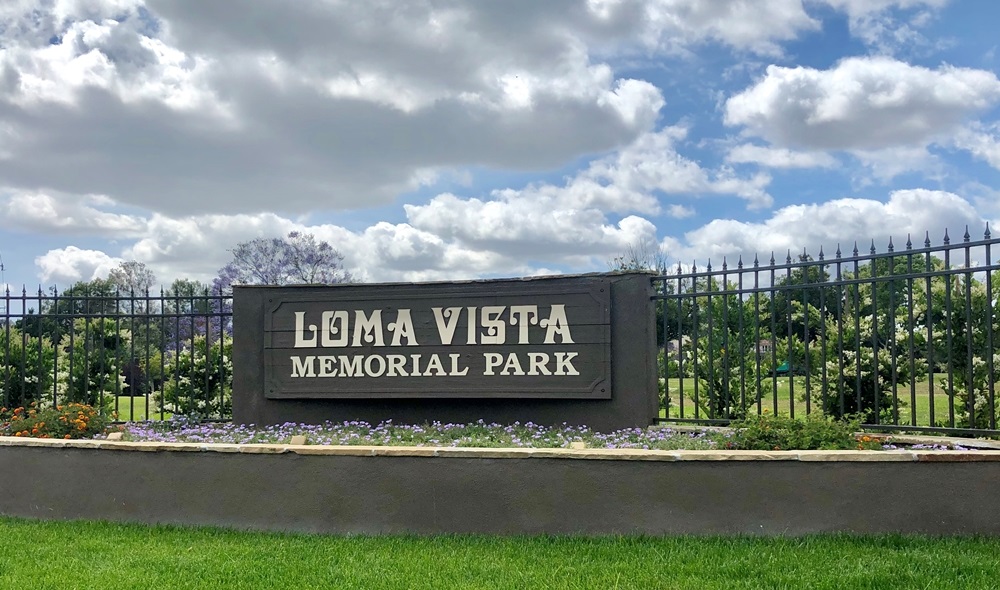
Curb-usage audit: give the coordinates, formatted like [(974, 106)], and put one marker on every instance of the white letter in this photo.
[(496, 329), (368, 327), (403, 328), (446, 330), (302, 368), (326, 366), (330, 318), (513, 366), (368, 365), (454, 366), (415, 371), (435, 365), (300, 331), (564, 363), (350, 366), (396, 365), (523, 316), (493, 360), (471, 328), (557, 324), (537, 362)]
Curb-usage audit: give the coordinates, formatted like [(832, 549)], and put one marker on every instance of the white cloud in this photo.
[(982, 141), (840, 221), (778, 157), (68, 215), (864, 103), (877, 23), (65, 266)]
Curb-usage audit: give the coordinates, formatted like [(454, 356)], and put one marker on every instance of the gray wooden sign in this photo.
[(498, 339)]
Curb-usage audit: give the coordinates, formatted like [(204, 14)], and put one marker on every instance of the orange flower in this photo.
[(67, 436)]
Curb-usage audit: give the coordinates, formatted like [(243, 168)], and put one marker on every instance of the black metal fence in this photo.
[(140, 356), (903, 340)]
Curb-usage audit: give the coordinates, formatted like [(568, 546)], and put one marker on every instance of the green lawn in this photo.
[(785, 406), (133, 409), (59, 555)]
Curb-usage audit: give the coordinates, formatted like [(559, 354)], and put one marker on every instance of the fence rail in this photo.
[(138, 355), (903, 340)]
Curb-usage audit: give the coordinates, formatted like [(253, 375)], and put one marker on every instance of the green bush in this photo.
[(197, 383), (768, 432), (65, 421), (26, 370)]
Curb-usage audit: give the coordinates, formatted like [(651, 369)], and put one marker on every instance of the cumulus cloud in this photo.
[(863, 103), (778, 157), (65, 266), (62, 214), (841, 222)]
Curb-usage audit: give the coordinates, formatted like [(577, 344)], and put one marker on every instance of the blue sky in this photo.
[(443, 139)]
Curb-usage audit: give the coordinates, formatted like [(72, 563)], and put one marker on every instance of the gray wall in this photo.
[(634, 400), (430, 495)]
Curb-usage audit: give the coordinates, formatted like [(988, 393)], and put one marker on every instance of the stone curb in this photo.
[(892, 456)]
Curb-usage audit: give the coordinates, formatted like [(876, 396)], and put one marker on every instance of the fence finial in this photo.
[(873, 246), (856, 249), (927, 239), (947, 240), (909, 242), (891, 248), (966, 236), (739, 263), (821, 252), (986, 234), (837, 253)]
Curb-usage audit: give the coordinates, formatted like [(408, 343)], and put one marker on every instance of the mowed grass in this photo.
[(68, 555), (134, 409), (778, 397)]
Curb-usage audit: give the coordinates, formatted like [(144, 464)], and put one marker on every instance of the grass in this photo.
[(133, 409), (782, 393), (67, 555)]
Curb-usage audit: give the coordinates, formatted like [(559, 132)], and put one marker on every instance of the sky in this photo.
[(447, 139)]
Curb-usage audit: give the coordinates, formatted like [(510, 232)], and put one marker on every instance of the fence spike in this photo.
[(739, 263), (756, 262), (788, 259), (966, 236), (927, 239), (723, 263), (821, 252), (837, 253), (947, 240), (772, 257), (709, 267), (891, 248), (873, 246), (986, 234), (909, 242), (856, 249)]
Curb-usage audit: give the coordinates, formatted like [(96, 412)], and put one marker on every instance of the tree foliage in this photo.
[(296, 259)]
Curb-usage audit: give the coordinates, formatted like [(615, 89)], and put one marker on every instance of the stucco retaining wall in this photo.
[(379, 490)]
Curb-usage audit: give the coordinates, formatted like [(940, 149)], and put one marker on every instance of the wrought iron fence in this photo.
[(138, 355), (903, 340)]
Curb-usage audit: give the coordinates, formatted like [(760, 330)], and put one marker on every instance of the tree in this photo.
[(296, 259), (132, 277)]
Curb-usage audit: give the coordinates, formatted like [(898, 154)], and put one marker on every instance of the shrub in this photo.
[(65, 421), (768, 432), (199, 380), (26, 370)]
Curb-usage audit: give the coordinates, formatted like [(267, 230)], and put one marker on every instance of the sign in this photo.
[(513, 339)]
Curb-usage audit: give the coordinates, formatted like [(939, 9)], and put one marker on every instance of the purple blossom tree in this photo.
[(294, 260)]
